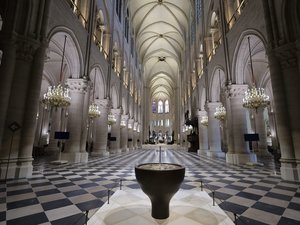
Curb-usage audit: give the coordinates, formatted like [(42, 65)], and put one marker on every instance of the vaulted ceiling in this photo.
[(160, 28)]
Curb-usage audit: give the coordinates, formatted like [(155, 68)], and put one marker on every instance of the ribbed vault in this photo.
[(160, 27)]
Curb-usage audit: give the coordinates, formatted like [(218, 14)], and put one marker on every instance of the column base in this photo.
[(264, 153), (52, 150), (125, 150), (115, 151), (84, 157), (74, 157), (240, 158), (102, 153), (201, 152), (17, 168), (290, 170), (53, 146), (214, 154)]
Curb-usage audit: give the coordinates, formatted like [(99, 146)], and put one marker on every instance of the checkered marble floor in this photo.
[(60, 194), (127, 207)]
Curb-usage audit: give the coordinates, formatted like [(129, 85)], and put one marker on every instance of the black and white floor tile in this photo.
[(61, 194)]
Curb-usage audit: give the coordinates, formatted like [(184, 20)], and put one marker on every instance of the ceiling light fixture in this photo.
[(255, 97), (94, 111), (58, 96), (220, 113)]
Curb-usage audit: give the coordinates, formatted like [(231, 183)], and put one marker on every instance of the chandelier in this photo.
[(220, 113), (204, 120), (94, 111), (255, 97), (111, 119), (58, 96), (138, 128), (123, 123), (134, 126)]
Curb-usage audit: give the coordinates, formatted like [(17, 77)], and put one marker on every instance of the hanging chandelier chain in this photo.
[(94, 84), (62, 59), (220, 80), (254, 97), (94, 111), (251, 65), (58, 96)]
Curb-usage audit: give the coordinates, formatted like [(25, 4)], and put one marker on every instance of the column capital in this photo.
[(237, 90), (26, 49), (77, 85), (103, 103), (131, 121), (212, 105), (116, 112), (124, 117), (201, 113), (287, 55)]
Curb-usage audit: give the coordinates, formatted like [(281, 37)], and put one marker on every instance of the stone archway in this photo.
[(63, 63), (241, 120)]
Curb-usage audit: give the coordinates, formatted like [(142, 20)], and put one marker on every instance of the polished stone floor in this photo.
[(132, 206), (61, 194)]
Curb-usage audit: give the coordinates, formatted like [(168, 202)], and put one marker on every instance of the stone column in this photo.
[(86, 126), (124, 134), (238, 149), (55, 118), (213, 31), (203, 138), (214, 132), (7, 73), (139, 137), (20, 106), (115, 132), (43, 135), (184, 143), (39, 125), (130, 134), (100, 144), (273, 127), (135, 135), (72, 149), (229, 10), (288, 167), (24, 164), (260, 127), (106, 42)]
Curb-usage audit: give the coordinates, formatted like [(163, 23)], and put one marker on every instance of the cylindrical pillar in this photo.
[(100, 144), (203, 137), (238, 150), (135, 135), (124, 134), (21, 109), (72, 149), (214, 132), (130, 134), (115, 132), (288, 167), (6, 70), (260, 127), (86, 123)]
